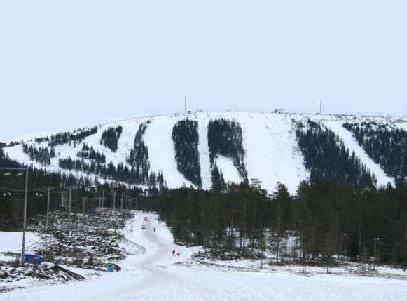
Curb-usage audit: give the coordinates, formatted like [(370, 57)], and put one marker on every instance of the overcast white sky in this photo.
[(69, 63)]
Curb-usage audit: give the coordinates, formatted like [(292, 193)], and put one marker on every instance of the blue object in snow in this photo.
[(110, 268), (34, 259)]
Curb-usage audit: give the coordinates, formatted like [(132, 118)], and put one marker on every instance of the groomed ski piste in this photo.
[(152, 272), (271, 156)]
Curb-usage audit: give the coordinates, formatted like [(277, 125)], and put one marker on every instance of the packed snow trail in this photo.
[(154, 275)]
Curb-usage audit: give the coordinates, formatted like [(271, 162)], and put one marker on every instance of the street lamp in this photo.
[(22, 260)]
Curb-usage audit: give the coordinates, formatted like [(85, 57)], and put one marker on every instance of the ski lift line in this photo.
[(13, 189), (43, 190), (22, 190)]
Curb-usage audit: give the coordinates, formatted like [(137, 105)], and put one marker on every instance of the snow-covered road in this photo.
[(154, 275)]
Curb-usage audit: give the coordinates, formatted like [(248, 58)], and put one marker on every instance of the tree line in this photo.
[(75, 137), (88, 152), (110, 137), (225, 138), (185, 137), (12, 193), (324, 219), (138, 157), (42, 155)]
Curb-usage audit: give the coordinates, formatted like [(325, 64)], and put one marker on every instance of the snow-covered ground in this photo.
[(155, 274), (10, 244), (228, 169), (11, 241)]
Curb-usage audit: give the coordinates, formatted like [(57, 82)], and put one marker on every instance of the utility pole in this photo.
[(21, 173), (103, 198), (25, 218), (114, 200), (359, 228), (121, 202), (83, 205), (374, 251), (70, 204), (341, 246), (48, 201), (320, 107), (66, 200)]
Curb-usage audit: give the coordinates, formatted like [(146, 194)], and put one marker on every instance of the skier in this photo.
[(173, 252)]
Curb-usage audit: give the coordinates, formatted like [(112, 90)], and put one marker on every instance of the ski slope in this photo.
[(353, 146), (158, 275), (272, 153), (161, 153), (271, 149), (203, 149)]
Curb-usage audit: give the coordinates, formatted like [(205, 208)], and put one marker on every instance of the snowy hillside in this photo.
[(261, 148)]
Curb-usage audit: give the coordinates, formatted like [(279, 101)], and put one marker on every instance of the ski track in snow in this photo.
[(155, 276), (353, 146), (203, 148), (272, 153), (227, 168), (271, 150), (161, 153)]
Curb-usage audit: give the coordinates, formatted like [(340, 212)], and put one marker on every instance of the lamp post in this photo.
[(22, 260)]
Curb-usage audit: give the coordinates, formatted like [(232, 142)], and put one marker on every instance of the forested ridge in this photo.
[(74, 137), (12, 187), (110, 171)]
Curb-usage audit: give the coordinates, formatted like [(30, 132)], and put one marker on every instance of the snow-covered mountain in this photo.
[(198, 148)]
